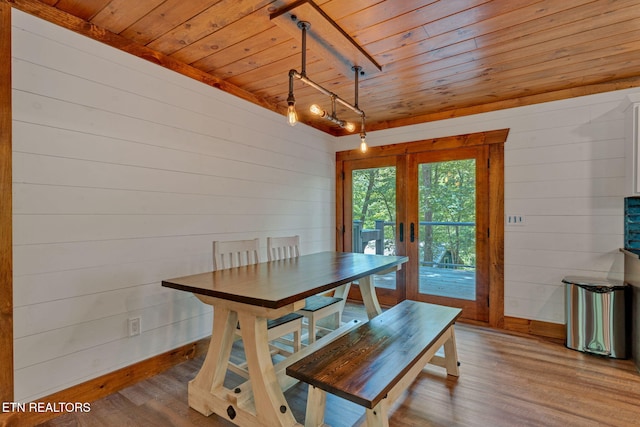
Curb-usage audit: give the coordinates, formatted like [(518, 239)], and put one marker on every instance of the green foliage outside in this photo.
[(374, 198), (447, 194)]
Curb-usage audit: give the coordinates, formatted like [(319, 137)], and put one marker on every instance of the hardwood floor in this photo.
[(505, 380)]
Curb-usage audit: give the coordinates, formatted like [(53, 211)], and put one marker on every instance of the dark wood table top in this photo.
[(279, 283)]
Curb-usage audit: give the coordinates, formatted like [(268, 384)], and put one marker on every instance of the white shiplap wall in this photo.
[(124, 173), (565, 172)]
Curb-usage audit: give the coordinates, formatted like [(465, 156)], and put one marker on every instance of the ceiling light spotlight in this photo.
[(350, 127), (363, 145), (292, 116), (318, 111), (315, 109), (363, 134)]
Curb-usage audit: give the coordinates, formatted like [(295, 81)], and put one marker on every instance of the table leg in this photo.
[(210, 378), (369, 297), (271, 407)]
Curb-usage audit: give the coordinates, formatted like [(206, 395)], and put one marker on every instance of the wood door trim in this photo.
[(496, 238), (442, 143), (6, 230), (495, 141), (340, 225)]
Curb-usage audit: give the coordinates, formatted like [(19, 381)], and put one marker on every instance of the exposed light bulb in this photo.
[(350, 127), (363, 145), (292, 116), (315, 109)]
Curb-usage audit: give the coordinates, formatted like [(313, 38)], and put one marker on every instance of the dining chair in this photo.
[(238, 253), (316, 307)]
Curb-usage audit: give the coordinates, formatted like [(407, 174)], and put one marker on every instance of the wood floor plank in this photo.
[(506, 379)]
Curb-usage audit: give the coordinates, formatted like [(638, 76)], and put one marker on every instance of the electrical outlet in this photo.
[(514, 219), (134, 326)]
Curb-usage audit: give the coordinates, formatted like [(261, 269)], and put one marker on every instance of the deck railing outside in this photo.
[(442, 256)]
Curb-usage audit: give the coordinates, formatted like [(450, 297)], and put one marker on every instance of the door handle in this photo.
[(412, 233), (402, 232)]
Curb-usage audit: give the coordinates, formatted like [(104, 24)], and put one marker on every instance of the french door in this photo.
[(431, 205), (371, 193), (447, 217)]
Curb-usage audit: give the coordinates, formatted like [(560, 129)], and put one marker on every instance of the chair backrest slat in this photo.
[(283, 247), (235, 253)]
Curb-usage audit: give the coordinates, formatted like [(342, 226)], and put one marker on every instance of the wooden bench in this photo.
[(375, 362)]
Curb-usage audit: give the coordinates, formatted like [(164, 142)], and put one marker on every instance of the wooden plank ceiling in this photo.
[(439, 59)]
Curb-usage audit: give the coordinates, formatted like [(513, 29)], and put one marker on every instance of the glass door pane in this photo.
[(374, 215), (447, 229)]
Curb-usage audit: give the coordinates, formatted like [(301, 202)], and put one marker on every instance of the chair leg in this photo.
[(312, 329), (337, 319), (297, 339)]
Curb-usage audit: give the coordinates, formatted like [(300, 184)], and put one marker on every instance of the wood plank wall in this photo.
[(6, 249), (565, 172), (124, 173)]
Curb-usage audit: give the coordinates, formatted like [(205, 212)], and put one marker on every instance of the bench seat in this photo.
[(374, 363)]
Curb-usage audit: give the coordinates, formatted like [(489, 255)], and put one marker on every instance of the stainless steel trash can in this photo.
[(597, 316)]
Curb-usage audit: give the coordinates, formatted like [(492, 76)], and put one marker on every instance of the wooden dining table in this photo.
[(249, 296)]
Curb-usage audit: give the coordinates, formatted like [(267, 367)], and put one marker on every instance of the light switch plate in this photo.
[(514, 219)]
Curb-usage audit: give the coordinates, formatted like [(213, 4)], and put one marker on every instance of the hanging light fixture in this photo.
[(363, 142), (292, 116), (318, 111)]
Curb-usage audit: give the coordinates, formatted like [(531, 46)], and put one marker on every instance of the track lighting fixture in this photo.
[(292, 115)]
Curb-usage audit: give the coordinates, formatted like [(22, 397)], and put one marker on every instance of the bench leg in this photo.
[(451, 355), (316, 402), (378, 416), (450, 359)]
